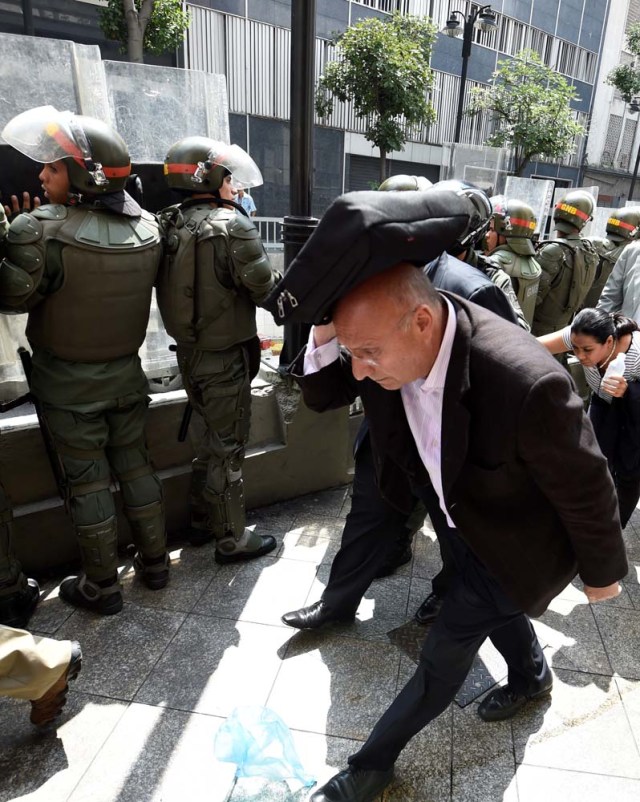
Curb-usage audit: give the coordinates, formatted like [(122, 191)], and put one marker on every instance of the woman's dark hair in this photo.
[(601, 325)]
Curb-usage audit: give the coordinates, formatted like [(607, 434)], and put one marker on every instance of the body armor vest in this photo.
[(608, 252), (201, 298), (524, 272), (110, 263), (575, 261)]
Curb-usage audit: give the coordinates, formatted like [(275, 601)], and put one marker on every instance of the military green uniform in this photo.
[(18, 594), (218, 356), (608, 252), (85, 276), (568, 269), (524, 272), (501, 279)]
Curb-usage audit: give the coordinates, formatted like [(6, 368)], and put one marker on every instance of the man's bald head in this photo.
[(392, 324), (402, 287)]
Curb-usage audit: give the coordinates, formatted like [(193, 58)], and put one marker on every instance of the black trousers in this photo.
[(474, 608), (372, 529), (615, 435)]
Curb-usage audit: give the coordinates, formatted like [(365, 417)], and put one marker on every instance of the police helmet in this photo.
[(624, 223), (96, 157), (402, 183), (200, 164), (516, 221), (574, 210), (478, 222)]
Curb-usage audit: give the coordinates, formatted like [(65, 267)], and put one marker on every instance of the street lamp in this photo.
[(634, 106), (482, 18)]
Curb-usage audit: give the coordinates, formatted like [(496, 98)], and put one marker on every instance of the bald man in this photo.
[(472, 414)]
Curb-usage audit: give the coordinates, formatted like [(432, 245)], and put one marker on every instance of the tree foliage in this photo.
[(383, 69), (626, 77), (152, 26), (530, 105)]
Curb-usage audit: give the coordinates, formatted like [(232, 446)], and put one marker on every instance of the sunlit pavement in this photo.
[(159, 679)]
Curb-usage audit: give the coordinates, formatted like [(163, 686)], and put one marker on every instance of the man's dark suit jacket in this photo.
[(451, 274), (524, 480)]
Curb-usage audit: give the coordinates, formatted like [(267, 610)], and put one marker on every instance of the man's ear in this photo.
[(423, 318)]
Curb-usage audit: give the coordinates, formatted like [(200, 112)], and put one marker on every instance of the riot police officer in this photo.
[(466, 250), (217, 265), (513, 225), (83, 267), (622, 228), (568, 264)]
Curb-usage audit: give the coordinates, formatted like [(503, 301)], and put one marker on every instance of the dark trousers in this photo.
[(618, 439), (474, 608), (372, 529)]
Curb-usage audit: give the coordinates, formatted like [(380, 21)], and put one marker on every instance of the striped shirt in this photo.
[(592, 374)]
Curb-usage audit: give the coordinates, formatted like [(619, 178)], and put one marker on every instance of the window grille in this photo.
[(613, 136), (627, 143)]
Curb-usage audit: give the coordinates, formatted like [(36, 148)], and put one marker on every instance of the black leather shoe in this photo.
[(354, 785), (429, 609), (314, 617), (16, 608), (504, 703), (394, 561)]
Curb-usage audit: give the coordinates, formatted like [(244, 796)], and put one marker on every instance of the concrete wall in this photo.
[(292, 451)]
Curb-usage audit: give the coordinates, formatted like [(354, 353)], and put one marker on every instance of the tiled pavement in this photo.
[(160, 678)]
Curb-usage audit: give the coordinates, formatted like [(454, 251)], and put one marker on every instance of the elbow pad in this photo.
[(250, 261)]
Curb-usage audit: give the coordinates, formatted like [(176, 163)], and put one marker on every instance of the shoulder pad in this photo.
[(148, 217), (51, 211), (551, 250), (24, 229), (502, 257), (117, 231), (241, 227)]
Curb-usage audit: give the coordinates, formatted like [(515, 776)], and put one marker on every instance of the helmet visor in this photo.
[(46, 135), (244, 171)]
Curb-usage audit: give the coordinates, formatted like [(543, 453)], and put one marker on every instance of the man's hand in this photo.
[(323, 334), (27, 205), (602, 594)]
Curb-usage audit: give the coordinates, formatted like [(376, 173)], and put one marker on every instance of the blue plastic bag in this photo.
[(260, 744)]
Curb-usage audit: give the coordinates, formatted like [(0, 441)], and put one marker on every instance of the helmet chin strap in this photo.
[(93, 168)]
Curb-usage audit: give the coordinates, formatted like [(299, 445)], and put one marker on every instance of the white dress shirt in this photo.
[(422, 399)]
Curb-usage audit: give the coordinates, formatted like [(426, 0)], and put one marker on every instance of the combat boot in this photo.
[(16, 608), (97, 588), (249, 546), (82, 592)]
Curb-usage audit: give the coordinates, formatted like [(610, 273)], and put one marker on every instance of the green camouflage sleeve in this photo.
[(551, 259)]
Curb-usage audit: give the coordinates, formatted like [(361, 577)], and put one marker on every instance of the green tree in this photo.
[(383, 68), (626, 77), (153, 26), (531, 106)]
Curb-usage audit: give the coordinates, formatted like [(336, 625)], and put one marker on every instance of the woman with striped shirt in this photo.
[(597, 338)]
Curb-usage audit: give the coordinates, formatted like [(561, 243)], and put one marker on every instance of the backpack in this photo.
[(176, 288), (584, 265)]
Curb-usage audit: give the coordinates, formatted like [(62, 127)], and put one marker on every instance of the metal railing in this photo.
[(270, 229)]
